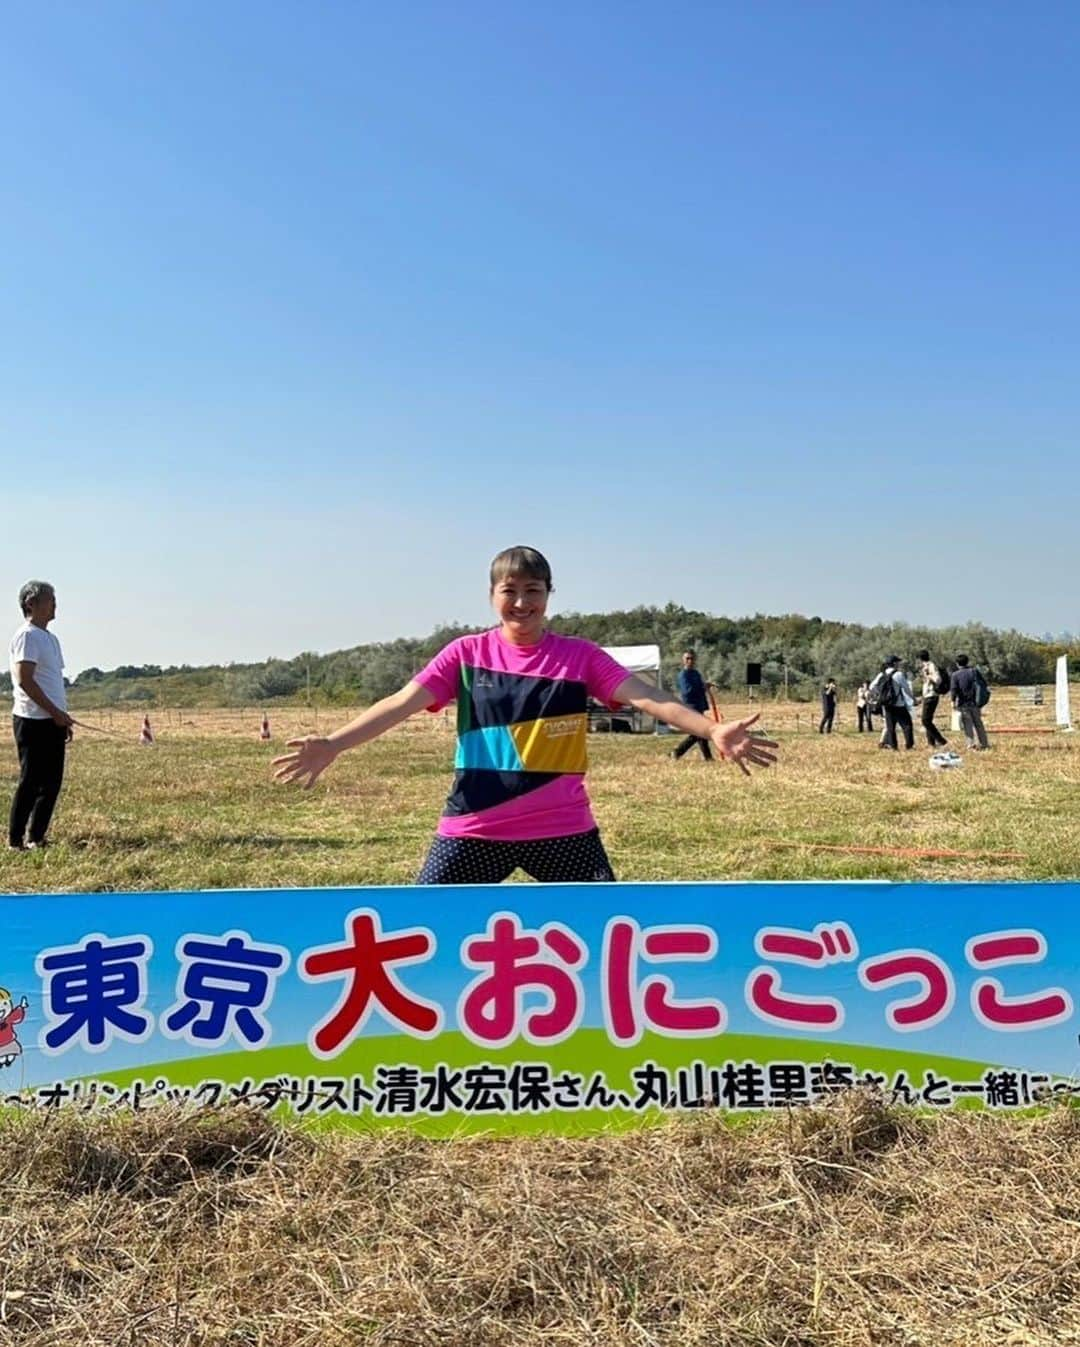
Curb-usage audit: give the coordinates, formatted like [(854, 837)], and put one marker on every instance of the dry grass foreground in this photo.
[(844, 1224)]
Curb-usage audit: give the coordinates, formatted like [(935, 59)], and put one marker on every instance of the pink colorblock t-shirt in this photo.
[(521, 721)]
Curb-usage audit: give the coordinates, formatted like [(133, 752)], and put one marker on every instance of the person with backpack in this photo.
[(891, 695), (935, 682), (970, 694)]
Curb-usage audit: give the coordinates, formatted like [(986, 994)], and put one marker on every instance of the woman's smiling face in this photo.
[(520, 603)]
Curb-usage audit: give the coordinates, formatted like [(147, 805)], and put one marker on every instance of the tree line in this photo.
[(796, 655)]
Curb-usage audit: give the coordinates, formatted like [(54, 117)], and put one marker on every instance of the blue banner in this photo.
[(540, 1007)]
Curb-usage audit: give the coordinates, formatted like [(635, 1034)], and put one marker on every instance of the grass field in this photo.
[(199, 809), (849, 1224)]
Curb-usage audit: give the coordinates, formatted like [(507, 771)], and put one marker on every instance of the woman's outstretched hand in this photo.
[(739, 744), (312, 757)]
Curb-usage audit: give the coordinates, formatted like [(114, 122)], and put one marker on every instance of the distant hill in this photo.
[(801, 651)]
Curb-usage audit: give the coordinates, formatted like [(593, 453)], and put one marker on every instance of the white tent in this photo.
[(642, 659), (639, 659)]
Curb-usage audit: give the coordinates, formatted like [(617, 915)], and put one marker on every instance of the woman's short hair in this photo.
[(515, 562)]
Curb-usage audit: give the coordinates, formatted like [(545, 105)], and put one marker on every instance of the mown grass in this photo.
[(849, 1224), (199, 809)]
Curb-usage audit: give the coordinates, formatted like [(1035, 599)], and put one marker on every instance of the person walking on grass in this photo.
[(518, 797), (828, 707), (692, 693), (934, 684), (970, 694), (862, 708), (40, 721), (897, 700)]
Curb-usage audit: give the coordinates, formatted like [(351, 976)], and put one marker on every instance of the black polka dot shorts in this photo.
[(578, 859)]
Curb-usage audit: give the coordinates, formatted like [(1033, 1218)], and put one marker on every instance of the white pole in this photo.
[(1061, 693)]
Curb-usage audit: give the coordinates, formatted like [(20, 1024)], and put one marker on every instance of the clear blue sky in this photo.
[(309, 308)]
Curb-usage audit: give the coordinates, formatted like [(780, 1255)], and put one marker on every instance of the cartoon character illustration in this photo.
[(10, 1047)]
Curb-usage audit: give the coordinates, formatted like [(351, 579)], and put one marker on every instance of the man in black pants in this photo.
[(692, 693), (41, 723), (828, 706), (966, 687), (862, 708), (930, 695), (898, 707)]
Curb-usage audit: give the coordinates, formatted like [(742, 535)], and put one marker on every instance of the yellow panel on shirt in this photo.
[(554, 744)]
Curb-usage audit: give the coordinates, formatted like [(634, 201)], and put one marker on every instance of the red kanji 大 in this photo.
[(491, 1010), (630, 1007), (364, 961), (825, 944), (991, 1006), (929, 1005)]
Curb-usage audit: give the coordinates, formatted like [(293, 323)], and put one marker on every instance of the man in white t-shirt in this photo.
[(39, 716)]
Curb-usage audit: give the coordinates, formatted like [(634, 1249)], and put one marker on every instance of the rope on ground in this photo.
[(914, 853)]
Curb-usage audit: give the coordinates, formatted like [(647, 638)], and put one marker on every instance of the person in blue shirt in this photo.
[(969, 694), (692, 693)]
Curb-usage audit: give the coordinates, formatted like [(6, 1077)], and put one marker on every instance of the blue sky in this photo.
[(309, 309)]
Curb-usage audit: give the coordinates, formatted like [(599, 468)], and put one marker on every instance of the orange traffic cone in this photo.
[(264, 733), (146, 734)]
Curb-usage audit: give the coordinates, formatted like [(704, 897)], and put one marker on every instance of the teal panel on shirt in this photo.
[(491, 749)]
